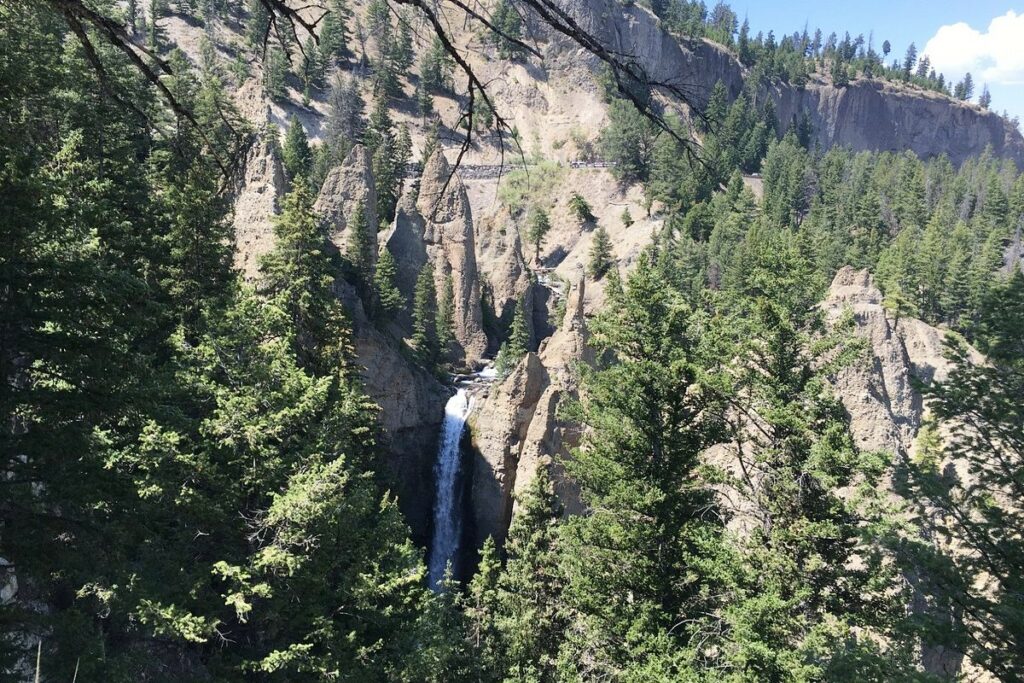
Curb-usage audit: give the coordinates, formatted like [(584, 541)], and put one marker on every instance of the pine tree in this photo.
[(580, 208), (600, 254), (509, 24), (446, 316), (626, 218), (481, 607), (909, 60), (401, 50), (257, 26), (985, 98), (518, 343), (345, 122), (424, 317), (275, 70), (628, 142), (538, 229), (389, 299), (633, 565), (360, 252), (435, 69), (299, 274), (334, 34), (296, 155), (313, 66), (424, 101), (531, 619)]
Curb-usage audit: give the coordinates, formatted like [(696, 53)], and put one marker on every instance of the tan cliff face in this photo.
[(347, 186), (517, 428), (865, 115), (470, 237), (256, 202), (877, 390), (448, 239)]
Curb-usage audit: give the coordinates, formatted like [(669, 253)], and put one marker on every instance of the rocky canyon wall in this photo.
[(865, 115)]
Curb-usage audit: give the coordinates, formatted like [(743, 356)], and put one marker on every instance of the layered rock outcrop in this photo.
[(346, 186), (435, 225), (257, 199), (878, 391), (517, 429), (411, 404), (865, 115)]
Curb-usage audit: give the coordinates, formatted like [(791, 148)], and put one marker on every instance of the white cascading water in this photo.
[(447, 516)]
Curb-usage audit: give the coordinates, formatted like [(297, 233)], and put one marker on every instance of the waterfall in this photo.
[(447, 515)]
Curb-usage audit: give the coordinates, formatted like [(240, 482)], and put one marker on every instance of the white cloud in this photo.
[(996, 56)]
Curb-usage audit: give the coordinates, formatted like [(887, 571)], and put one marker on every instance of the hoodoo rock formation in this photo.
[(877, 391), (449, 240), (517, 429), (257, 197), (345, 187)]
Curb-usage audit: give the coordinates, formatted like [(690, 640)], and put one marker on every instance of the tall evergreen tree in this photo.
[(296, 156), (972, 570), (633, 563), (538, 229), (518, 342), (389, 299), (360, 252), (446, 316), (424, 317), (600, 254)]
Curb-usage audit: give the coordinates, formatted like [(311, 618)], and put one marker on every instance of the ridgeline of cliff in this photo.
[(864, 115)]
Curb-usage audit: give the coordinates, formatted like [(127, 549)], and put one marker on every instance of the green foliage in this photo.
[(522, 188), (296, 156), (514, 619), (313, 67), (345, 121), (508, 24), (334, 35), (628, 142), (360, 253), (517, 344), (300, 275), (446, 316), (275, 71), (538, 228), (390, 152), (978, 504), (797, 556), (626, 218), (257, 25), (579, 207), (600, 254), (436, 69), (631, 566), (424, 318), (187, 457), (389, 299)]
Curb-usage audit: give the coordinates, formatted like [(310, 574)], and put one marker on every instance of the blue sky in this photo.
[(960, 33)]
